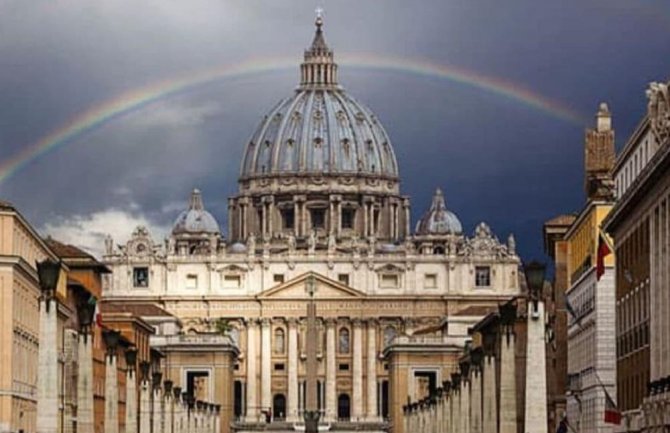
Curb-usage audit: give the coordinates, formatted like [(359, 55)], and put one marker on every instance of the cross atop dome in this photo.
[(319, 68)]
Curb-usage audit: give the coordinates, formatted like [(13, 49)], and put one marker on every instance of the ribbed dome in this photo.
[(195, 220), (438, 220), (320, 129)]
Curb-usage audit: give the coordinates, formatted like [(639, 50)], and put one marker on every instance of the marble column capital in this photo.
[(357, 322), (373, 323), (265, 322), (292, 322), (330, 322)]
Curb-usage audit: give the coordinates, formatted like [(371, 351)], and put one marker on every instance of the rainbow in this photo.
[(136, 99)]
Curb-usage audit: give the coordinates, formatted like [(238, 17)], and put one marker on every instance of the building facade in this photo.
[(590, 294), (319, 202), (639, 225)]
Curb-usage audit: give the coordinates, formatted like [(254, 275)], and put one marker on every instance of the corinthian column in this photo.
[(357, 393), (292, 403), (331, 391), (252, 380), (372, 371), (266, 365)]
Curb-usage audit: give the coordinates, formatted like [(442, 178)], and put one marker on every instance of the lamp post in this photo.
[(48, 273), (536, 379)]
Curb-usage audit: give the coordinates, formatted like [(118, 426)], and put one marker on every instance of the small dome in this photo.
[(195, 220), (438, 220), (238, 248)]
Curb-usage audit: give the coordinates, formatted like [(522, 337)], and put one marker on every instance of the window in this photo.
[(344, 367), (344, 341), (191, 281), (347, 219), (197, 384), (430, 281), (232, 281), (279, 343), (482, 276), (280, 366), (141, 277), (343, 278), (278, 278), (318, 218), (288, 218), (388, 281)]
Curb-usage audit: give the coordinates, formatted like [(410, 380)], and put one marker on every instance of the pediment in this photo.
[(296, 288)]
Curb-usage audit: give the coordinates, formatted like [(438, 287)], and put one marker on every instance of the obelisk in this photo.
[(311, 414)]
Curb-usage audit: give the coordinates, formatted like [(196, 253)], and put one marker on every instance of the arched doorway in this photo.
[(279, 407), (343, 407)]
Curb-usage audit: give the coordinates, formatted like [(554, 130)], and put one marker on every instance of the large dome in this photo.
[(320, 129)]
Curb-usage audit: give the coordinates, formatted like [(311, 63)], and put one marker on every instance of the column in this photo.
[(357, 392), (168, 411), (407, 218), (47, 361), (266, 364), (292, 403), (465, 405), (508, 416), (366, 216), (476, 401), (372, 371), (145, 399), (177, 413), (131, 392), (296, 217), (252, 379), (111, 383), (489, 418), (157, 408), (217, 418), (536, 378), (85, 382), (331, 384)]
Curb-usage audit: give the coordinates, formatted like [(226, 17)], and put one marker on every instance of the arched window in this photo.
[(343, 407), (279, 345), (344, 340), (389, 335)]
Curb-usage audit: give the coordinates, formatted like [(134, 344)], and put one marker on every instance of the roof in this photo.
[(5, 205), (561, 220), (74, 256), (475, 310), (142, 310)]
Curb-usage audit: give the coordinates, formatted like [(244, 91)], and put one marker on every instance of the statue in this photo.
[(251, 244), (291, 243), (372, 245), (109, 245), (311, 243), (332, 243), (511, 245)]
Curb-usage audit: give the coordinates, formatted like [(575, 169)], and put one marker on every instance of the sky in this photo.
[(112, 111)]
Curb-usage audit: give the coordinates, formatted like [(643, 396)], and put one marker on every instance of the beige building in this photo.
[(319, 201), (20, 248)]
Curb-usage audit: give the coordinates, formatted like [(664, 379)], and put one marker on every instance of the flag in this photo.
[(97, 317), (603, 251), (612, 413), (571, 311)]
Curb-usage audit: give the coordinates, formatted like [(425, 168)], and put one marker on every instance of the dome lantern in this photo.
[(319, 69)]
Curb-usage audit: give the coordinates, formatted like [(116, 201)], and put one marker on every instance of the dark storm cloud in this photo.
[(497, 160)]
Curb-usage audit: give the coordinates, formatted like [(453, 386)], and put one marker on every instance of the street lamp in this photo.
[(131, 358), (48, 272), (535, 281), (111, 338), (85, 314), (145, 367)]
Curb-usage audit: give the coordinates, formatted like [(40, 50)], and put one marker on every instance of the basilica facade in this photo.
[(319, 205)]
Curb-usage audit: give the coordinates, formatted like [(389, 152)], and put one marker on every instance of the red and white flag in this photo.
[(604, 250)]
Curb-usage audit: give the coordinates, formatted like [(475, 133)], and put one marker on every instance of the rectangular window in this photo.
[(191, 281), (197, 384), (343, 278), (344, 367), (318, 218), (388, 281), (278, 278), (430, 281), (288, 218), (279, 367), (482, 276), (141, 277), (348, 215), (232, 281)]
